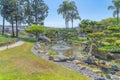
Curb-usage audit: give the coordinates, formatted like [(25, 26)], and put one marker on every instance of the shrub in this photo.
[(52, 52), (114, 28), (114, 49), (116, 35), (97, 34), (106, 44), (110, 39), (117, 42)]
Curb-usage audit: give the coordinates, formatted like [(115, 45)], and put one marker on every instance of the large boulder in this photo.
[(115, 77), (114, 55), (94, 50)]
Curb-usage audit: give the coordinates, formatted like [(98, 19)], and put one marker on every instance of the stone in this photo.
[(68, 61), (97, 71), (76, 61), (51, 58), (116, 68), (115, 77), (83, 68), (118, 73), (79, 65)]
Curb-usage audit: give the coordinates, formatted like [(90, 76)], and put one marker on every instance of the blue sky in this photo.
[(88, 9)]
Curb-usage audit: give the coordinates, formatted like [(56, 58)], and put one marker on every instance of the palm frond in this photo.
[(111, 7)]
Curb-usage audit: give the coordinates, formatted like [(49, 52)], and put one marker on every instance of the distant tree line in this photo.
[(22, 11)]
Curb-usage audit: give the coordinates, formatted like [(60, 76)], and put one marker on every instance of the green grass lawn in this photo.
[(4, 40), (21, 64)]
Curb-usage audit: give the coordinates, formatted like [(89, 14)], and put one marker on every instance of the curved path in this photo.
[(12, 45)]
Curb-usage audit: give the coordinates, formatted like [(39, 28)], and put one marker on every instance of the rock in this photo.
[(56, 60), (68, 61), (118, 73), (115, 77), (47, 54), (51, 58), (83, 68), (114, 55), (79, 65), (97, 71), (76, 61)]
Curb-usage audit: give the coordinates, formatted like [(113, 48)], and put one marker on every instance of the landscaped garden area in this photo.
[(30, 50)]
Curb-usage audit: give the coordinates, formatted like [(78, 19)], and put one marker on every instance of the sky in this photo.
[(88, 9)]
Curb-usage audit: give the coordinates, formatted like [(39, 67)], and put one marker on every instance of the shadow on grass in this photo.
[(28, 39)]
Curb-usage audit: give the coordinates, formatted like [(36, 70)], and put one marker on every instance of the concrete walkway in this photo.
[(12, 45)]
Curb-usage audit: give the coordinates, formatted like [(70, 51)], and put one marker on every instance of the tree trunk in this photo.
[(13, 34), (16, 28), (3, 28), (16, 20), (117, 16), (66, 23), (72, 22), (36, 19)]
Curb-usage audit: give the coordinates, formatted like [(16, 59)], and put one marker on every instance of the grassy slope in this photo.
[(21, 64), (5, 39)]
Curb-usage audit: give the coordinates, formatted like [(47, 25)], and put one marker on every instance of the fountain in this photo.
[(61, 48)]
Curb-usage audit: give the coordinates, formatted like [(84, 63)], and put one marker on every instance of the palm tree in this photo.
[(116, 8), (74, 14), (64, 9)]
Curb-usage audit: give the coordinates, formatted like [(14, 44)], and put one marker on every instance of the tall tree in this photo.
[(3, 12), (116, 8), (64, 9), (69, 12), (35, 11), (74, 14)]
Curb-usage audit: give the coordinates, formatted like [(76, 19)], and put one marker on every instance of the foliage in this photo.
[(35, 11), (77, 40), (111, 39), (52, 52), (108, 21), (88, 30), (69, 11), (88, 26), (51, 32), (114, 28), (107, 31), (96, 34), (110, 49), (116, 8), (105, 44), (116, 34), (35, 29), (117, 42)]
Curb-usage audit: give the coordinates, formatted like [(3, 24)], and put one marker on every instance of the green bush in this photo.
[(114, 28), (77, 40), (97, 34), (107, 31), (113, 49), (110, 39), (106, 44), (116, 35), (117, 42), (51, 32), (52, 52)]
